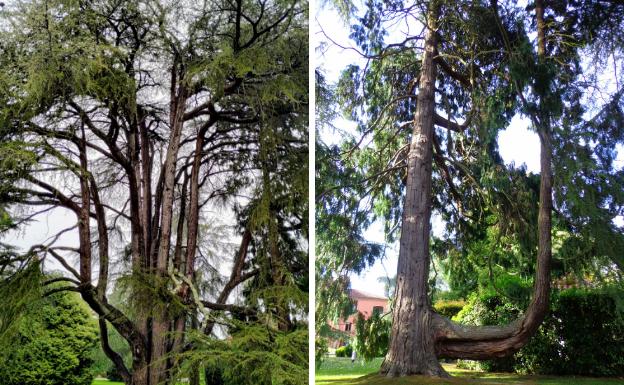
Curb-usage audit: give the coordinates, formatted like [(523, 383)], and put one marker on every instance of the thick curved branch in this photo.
[(453, 126), (60, 289), (110, 353), (461, 78)]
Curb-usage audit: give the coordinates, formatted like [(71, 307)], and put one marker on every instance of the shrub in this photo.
[(53, 345), (253, 354), (582, 335), (344, 351), (449, 308)]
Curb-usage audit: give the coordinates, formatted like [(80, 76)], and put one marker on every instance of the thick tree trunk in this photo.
[(420, 336), (140, 376), (412, 344)]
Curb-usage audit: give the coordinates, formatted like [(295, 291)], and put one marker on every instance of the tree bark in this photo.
[(412, 344)]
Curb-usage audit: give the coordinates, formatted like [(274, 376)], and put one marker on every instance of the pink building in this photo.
[(366, 304)]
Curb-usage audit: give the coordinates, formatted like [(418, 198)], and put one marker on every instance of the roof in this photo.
[(362, 294)]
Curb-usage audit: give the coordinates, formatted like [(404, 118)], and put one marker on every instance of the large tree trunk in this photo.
[(412, 344), (419, 335), (140, 376)]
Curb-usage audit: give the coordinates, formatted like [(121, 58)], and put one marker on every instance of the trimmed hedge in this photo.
[(449, 308), (344, 351), (582, 335)]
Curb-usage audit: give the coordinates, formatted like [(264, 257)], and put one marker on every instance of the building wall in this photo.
[(364, 306)]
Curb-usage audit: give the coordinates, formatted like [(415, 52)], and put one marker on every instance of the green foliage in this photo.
[(254, 354), (53, 345), (342, 367), (372, 336), (344, 351), (20, 288), (320, 350), (149, 294), (449, 308), (582, 335)]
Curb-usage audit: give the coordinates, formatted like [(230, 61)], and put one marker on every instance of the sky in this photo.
[(517, 144)]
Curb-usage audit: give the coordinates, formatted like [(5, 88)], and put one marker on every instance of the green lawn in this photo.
[(101, 381), (105, 382), (340, 371)]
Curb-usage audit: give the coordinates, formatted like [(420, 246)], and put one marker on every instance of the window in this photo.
[(347, 327), (378, 310)]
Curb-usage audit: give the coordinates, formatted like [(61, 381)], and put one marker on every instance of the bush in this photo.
[(53, 345), (582, 335), (449, 308), (344, 351)]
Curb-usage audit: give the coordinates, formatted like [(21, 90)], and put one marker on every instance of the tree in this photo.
[(53, 344), (476, 63), (152, 124)]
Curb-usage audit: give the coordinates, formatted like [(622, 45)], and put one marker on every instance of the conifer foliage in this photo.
[(429, 105), (174, 135)]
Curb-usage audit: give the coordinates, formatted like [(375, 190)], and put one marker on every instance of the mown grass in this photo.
[(103, 381), (100, 381), (340, 371)]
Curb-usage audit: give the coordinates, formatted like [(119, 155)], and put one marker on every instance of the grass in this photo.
[(104, 381), (340, 371), (101, 381)]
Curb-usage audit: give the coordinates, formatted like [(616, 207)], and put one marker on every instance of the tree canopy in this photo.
[(489, 62), (175, 136)]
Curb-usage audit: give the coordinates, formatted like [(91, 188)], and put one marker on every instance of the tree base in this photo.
[(431, 368)]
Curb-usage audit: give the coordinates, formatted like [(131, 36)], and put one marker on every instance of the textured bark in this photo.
[(169, 179), (412, 346), (158, 360), (140, 376), (84, 216), (419, 335), (193, 217)]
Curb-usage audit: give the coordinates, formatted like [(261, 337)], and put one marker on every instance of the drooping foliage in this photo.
[(254, 355), (438, 81), (174, 137), (489, 208)]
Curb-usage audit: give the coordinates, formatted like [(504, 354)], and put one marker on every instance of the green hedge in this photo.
[(449, 308), (53, 345), (582, 335), (344, 351)]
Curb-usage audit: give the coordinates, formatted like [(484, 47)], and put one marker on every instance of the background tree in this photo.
[(474, 67), (53, 343), (145, 121)]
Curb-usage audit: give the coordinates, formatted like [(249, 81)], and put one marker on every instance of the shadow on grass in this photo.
[(462, 377)]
